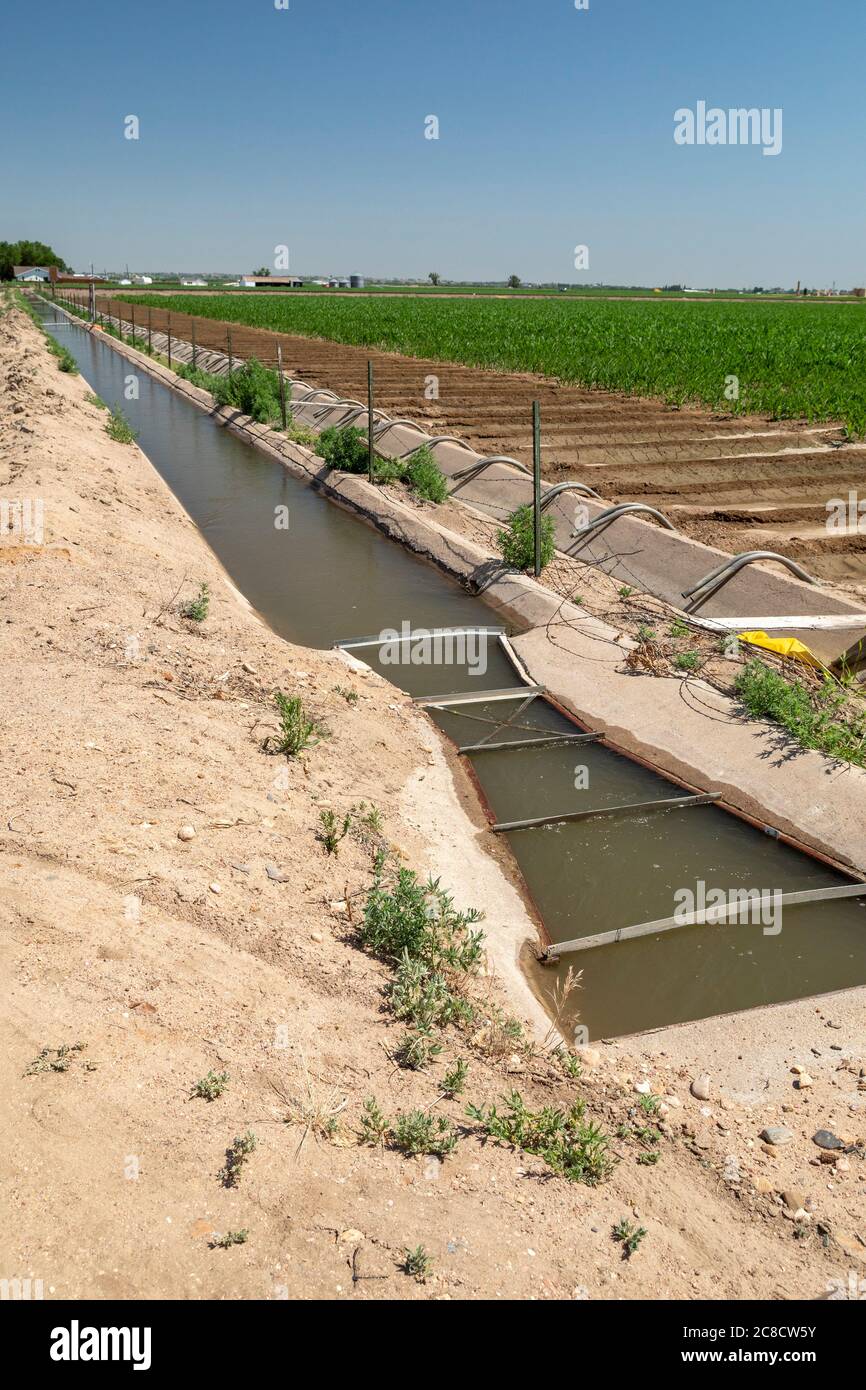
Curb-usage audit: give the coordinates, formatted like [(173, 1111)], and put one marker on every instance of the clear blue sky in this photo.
[(306, 127)]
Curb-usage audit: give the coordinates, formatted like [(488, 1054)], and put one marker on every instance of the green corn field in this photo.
[(791, 360)]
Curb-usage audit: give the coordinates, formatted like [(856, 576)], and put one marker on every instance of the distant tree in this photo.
[(27, 253), (514, 282), (434, 277), (262, 271)]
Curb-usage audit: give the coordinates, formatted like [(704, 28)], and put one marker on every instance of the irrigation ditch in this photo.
[(604, 835)]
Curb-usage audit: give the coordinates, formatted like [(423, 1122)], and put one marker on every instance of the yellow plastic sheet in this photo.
[(782, 646)]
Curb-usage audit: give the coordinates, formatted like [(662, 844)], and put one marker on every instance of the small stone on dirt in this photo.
[(186, 832), (777, 1134), (700, 1087), (827, 1140), (276, 875)]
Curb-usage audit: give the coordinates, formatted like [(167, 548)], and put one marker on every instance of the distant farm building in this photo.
[(251, 282), (26, 274)]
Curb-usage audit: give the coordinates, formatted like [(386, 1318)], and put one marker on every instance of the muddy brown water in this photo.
[(330, 576)]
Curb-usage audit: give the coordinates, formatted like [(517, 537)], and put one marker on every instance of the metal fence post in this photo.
[(282, 387), (369, 420), (536, 485)]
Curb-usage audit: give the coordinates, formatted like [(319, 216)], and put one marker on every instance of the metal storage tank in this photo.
[(356, 282)]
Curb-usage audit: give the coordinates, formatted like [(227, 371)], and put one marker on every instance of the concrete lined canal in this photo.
[(331, 576)]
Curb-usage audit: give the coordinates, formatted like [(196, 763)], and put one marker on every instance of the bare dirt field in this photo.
[(236, 950), (739, 483)]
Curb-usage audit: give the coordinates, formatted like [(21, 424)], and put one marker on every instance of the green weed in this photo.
[(211, 1086), (118, 428), (568, 1144), (197, 608), (517, 544)]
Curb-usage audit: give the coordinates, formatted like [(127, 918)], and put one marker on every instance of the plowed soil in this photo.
[(736, 482)]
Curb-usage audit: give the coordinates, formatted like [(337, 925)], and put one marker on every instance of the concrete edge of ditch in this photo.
[(683, 728)]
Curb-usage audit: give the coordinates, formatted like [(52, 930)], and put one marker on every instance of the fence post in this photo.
[(536, 485), (132, 312), (192, 338), (168, 312), (282, 387), (231, 360), (150, 331), (369, 420)]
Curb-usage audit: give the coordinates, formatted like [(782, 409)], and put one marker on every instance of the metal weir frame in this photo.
[(630, 808), (707, 917)]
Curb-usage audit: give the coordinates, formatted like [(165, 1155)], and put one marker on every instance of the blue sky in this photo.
[(305, 127)]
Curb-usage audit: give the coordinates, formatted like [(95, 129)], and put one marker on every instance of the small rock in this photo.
[(842, 1164), (700, 1087), (793, 1200), (250, 670), (340, 906), (804, 1081), (643, 1088), (777, 1134), (432, 1169), (826, 1140), (215, 887), (316, 936), (673, 1101), (186, 832), (515, 1063), (589, 1056), (351, 1237), (277, 875)]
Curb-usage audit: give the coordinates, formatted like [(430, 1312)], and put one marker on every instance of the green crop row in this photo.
[(790, 361)]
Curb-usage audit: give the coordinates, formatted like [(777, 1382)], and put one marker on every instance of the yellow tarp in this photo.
[(782, 646)]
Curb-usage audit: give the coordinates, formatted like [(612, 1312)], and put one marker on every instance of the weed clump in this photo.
[(118, 428), (211, 1086), (236, 1156), (230, 1238), (418, 1264), (816, 719), (65, 361), (413, 1132), (629, 1236), (517, 540), (346, 449), (253, 389), (568, 1144), (413, 922), (425, 477), (298, 730), (197, 608), (58, 1059)]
